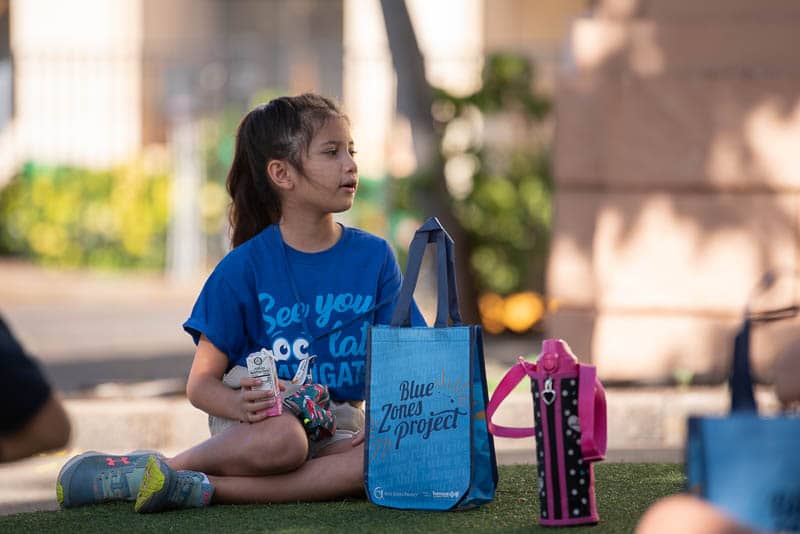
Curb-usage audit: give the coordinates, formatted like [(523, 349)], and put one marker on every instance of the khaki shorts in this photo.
[(349, 415)]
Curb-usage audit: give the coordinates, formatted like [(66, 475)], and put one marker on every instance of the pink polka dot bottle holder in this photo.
[(569, 409)]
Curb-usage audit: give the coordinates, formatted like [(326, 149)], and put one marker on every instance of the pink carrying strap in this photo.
[(592, 413), (591, 407), (506, 386)]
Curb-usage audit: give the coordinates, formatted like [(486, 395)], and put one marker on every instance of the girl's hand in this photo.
[(358, 439), (253, 403)]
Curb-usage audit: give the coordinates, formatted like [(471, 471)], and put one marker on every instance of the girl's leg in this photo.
[(340, 473), (275, 445)]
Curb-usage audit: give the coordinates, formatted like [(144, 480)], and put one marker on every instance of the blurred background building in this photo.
[(658, 190), (676, 184)]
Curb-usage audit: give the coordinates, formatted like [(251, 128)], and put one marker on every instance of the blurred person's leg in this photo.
[(32, 418), (686, 514)]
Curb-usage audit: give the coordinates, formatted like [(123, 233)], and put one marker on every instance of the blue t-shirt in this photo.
[(248, 303)]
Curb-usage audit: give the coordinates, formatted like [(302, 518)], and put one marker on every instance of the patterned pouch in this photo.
[(311, 404)]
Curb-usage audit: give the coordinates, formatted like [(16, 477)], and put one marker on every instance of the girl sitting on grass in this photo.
[(296, 283)]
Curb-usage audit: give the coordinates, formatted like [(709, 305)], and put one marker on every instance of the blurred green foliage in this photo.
[(369, 210), (507, 86), (217, 145), (72, 217), (507, 218), (503, 198)]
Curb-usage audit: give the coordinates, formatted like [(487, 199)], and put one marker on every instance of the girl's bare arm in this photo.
[(206, 391)]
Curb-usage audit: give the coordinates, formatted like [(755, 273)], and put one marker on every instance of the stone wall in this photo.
[(677, 180)]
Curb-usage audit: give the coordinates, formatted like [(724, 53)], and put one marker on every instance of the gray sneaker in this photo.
[(164, 488), (95, 477)]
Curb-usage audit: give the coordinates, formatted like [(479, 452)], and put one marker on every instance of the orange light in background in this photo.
[(491, 308), (518, 312), (522, 311)]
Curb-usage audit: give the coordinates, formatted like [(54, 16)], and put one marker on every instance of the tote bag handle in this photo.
[(741, 378), (447, 296)]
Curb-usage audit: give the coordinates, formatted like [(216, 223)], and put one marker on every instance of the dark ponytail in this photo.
[(281, 129)]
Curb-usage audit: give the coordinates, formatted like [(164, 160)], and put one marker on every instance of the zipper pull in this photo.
[(549, 394)]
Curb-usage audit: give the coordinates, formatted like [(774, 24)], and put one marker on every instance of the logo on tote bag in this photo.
[(421, 410)]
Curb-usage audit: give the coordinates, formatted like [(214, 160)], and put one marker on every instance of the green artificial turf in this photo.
[(624, 491)]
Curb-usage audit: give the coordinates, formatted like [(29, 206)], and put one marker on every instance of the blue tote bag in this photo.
[(745, 464), (427, 444)]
